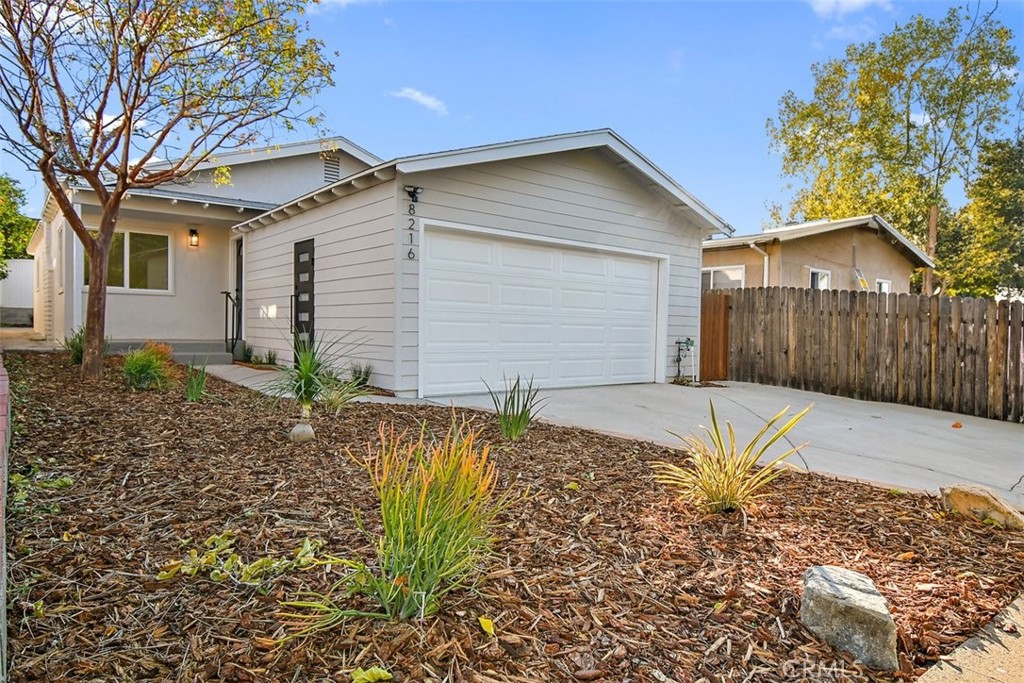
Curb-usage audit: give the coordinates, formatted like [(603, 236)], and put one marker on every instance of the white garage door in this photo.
[(568, 317)]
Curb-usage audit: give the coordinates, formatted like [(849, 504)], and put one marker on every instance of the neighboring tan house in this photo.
[(174, 254), (570, 258), (860, 253)]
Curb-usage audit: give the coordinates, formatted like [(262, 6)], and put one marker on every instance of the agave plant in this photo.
[(310, 377)]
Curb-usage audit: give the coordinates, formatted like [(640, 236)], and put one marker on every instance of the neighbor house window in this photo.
[(722, 277), (883, 286), (138, 260), (820, 279)]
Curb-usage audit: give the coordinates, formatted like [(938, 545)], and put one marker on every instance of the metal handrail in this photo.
[(230, 322)]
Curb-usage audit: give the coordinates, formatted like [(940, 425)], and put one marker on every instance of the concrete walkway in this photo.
[(894, 445), (25, 339), (992, 656)]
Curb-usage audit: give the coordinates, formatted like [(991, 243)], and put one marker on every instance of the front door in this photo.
[(238, 288), (302, 316)]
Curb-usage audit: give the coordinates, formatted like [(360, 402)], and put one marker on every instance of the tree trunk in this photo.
[(95, 313), (933, 238)]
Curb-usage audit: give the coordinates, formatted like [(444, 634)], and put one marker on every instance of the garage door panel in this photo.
[(566, 316)]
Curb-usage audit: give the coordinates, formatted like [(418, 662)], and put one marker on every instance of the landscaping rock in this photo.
[(981, 503), (844, 608), (301, 433)]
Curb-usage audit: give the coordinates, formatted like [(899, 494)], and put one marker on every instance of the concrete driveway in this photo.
[(894, 445)]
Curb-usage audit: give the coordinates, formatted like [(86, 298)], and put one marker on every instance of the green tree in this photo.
[(96, 89), (893, 121), (15, 228), (990, 251)]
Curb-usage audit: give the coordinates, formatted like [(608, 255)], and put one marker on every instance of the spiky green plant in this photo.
[(340, 394), (438, 504), (719, 476), (146, 368), (195, 383), (517, 407)]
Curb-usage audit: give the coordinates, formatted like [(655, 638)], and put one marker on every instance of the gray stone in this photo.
[(981, 503), (301, 433), (843, 608)]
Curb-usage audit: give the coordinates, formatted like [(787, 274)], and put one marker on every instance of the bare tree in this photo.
[(99, 89)]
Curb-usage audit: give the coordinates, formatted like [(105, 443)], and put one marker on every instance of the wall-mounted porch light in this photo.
[(193, 237)]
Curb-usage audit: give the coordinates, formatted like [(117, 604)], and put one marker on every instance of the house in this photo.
[(570, 258), (175, 260), (864, 252)]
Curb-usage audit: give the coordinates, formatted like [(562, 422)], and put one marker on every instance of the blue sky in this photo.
[(689, 84)]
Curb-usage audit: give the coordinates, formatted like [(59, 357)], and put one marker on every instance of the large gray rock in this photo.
[(844, 608), (981, 503)]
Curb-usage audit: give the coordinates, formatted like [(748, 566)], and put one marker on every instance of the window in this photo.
[(883, 286), (723, 277), (820, 279), (138, 260)]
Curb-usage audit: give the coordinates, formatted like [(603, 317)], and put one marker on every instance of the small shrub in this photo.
[(271, 357), (257, 359), (517, 408), (74, 344), (195, 383), (438, 505), (247, 352), (718, 477), (339, 394), (146, 368), (360, 373), (160, 350)]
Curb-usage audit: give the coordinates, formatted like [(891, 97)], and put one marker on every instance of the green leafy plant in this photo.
[(719, 477), (337, 395), (74, 344), (23, 484), (195, 383), (517, 407), (248, 352), (438, 504), (220, 562), (360, 373), (271, 357), (146, 368)]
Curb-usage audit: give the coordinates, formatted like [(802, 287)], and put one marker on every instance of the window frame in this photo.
[(888, 283), (711, 270), (819, 271), (125, 289)]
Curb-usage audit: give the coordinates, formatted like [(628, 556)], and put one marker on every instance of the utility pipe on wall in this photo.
[(764, 255)]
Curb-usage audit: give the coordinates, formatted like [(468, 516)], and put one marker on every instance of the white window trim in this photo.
[(143, 292), (810, 277), (879, 281), (711, 269)]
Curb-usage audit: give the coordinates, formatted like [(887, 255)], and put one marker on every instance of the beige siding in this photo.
[(354, 283), (576, 196), (840, 252)]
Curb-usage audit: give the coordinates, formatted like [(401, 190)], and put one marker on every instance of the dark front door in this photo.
[(238, 288), (302, 316)]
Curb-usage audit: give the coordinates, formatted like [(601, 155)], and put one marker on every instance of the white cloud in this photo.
[(837, 8), (852, 33), (920, 119), (423, 99)]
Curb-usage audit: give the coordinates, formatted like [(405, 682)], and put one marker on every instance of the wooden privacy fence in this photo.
[(961, 355)]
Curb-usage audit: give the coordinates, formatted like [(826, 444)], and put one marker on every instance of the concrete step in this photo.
[(199, 358)]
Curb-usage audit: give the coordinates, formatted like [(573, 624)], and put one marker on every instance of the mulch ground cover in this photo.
[(599, 574)]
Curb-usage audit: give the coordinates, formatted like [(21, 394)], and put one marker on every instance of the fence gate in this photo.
[(714, 335)]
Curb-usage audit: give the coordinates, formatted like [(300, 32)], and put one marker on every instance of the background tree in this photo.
[(15, 227), (990, 248), (894, 121), (97, 89)]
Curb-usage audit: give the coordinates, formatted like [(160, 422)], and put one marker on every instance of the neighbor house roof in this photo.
[(786, 233), (604, 139)]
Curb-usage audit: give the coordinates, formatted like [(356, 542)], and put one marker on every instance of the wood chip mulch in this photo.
[(600, 574)]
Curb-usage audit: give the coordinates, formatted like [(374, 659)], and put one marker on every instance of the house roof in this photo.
[(604, 139), (283, 151), (786, 233)]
